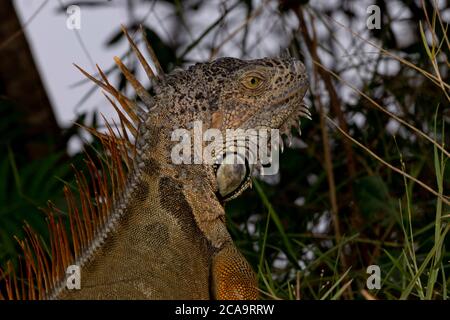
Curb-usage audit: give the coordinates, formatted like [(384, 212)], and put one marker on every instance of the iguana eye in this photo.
[(252, 82), (232, 177)]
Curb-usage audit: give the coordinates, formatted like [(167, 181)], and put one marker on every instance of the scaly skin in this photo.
[(170, 240)]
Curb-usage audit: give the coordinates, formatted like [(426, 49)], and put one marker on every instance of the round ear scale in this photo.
[(232, 178)]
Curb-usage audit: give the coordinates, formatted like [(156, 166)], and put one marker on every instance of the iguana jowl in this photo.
[(161, 233)]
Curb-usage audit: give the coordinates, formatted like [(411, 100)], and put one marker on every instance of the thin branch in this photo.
[(406, 175), (378, 106)]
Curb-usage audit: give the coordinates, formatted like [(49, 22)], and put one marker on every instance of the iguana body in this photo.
[(164, 236), (170, 232)]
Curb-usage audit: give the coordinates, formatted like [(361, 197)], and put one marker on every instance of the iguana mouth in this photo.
[(293, 118), (285, 112), (289, 109)]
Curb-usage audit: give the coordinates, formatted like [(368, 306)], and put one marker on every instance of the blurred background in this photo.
[(336, 207)]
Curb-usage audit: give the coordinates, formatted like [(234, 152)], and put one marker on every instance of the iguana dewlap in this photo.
[(165, 235)]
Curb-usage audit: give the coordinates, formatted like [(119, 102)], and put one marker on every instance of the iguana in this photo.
[(146, 228)]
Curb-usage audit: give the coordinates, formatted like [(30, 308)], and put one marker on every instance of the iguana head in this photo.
[(230, 93), (225, 94)]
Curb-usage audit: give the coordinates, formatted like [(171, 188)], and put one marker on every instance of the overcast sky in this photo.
[(55, 48)]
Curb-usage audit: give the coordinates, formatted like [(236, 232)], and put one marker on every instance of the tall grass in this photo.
[(416, 263)]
